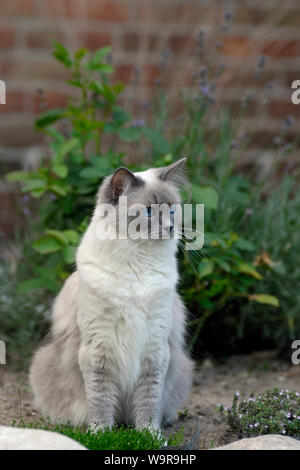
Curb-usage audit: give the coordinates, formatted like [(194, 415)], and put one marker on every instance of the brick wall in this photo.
[(188, 35)]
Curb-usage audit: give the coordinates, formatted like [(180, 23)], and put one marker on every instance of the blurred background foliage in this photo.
[(241, 288)]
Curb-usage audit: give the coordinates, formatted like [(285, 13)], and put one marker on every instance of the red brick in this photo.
[(237, 46), (281, 48), (154, 42), (182, 43), (252, 16), (50, 100), (14, 102), (151, 74), (278, 17), (290, 76), (186, 12), (124, 73), (19, 134), (94, 40), (61, 9), (17, 8), (130, 42), (44, 39), (283, 108), (108, 10), (7, 37), (37, 69)]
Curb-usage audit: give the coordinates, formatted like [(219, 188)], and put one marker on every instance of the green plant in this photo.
[(67, 180), (273, 412), (221, 279), (82, 139), (84, 142), (117, 438), (22, 320)]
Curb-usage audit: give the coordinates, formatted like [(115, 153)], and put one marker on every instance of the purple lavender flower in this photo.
[(261, 62), (228, 15), (138, 122), (25, 199), (26, 211)]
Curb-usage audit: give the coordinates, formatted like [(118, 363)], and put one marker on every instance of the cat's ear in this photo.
[(121, 181), (173, 171)]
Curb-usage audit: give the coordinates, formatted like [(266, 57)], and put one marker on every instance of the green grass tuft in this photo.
[(117, 438)]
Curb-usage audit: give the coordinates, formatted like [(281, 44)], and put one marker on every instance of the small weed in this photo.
[(273, 412), (184, 414)]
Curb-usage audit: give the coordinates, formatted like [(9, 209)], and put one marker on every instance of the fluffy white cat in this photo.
[(117, 347)]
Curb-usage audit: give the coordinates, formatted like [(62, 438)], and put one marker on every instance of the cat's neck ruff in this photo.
[(120, 254)]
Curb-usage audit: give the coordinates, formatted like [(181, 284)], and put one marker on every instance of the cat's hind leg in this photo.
[(57, 385), (178, 383)]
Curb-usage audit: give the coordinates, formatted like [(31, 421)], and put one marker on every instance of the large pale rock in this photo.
[(267, 442), (35, 439)]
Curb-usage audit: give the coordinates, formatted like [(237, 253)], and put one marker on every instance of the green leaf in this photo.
[(129, 134), (30, 285), (265, 299), (206, 195), (48, 118), (58, 235), (76, 83), (62, 54), (95, 63), (206, 267), (47, 244), (32, 184), (72, 236), (69, 254), (56, 135), (120, 115), (80, 53), (15, 176), (59, 187), (160, 144), (244, 244), (37, 193), (248, 269), (101, 167), (60, 170), (67, 147), (92, 173), (118, 87), (223, 264)]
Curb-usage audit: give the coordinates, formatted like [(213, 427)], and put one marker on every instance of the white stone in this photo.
[(266, 442), (35, 439)]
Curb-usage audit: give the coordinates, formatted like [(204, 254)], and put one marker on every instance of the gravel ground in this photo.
[(213, 384)]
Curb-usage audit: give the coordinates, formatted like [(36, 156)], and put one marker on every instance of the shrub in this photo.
[(22, 320), (273, 412), (236, 269)]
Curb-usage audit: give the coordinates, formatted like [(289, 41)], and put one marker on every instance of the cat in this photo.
[(117, 347)]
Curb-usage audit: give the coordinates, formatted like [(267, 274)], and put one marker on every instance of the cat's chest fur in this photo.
[(127, 313)]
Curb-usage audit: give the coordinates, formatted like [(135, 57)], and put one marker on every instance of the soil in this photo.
[(213, 384)]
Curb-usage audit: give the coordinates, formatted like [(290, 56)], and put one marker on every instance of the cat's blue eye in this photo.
[(173, 209), (147, 211)]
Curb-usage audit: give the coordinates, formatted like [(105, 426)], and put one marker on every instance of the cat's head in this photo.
[(148, 201)]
